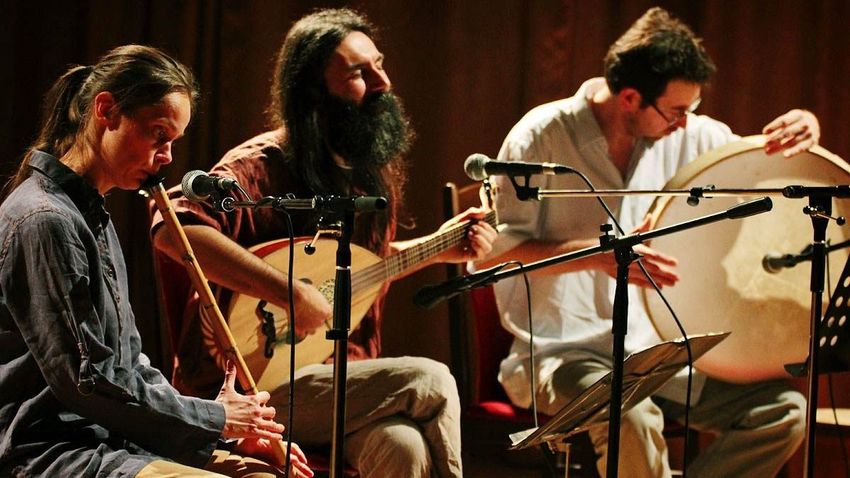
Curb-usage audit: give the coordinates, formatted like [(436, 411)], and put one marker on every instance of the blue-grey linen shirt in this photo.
[(77, 395)]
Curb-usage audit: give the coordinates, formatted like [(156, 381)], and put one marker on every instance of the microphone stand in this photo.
[(339, 334), (622, 247), (625, 255), (345, 208), (819, 209), (816, 286)]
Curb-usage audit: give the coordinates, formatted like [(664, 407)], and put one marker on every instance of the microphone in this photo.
[(749, 208), (479, 167), (797, 191), (430, 295), (198, 185), (773, 262), (357, 203)]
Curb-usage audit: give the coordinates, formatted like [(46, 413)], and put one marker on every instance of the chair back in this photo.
[(478, 341)]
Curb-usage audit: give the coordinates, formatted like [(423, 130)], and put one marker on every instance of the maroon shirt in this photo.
[(261, 169)]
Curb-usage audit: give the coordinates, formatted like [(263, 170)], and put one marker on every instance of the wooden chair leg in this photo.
[(564, 448)]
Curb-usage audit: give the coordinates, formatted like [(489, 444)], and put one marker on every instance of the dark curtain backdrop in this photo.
[(467, 70)]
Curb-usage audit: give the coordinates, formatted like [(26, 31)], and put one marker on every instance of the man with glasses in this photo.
[(678, 115), (632, 129)]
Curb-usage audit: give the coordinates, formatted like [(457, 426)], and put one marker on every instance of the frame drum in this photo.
[(723, 286)]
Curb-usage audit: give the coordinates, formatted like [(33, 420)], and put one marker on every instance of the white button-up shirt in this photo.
[(572, 312)]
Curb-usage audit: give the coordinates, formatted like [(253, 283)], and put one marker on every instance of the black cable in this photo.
[(530, 344), (291, 298), (548, 455), (690, 370), (533, 374)]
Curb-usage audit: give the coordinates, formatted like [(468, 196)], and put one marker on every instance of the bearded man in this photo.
[(339, 130)]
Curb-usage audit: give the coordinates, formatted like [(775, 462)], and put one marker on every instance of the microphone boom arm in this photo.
[(320, 203), (431, 295)]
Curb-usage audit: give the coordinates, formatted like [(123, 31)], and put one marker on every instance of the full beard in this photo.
[(369, 135)]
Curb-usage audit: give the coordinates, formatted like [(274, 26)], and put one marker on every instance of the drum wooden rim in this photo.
[(683, 180)]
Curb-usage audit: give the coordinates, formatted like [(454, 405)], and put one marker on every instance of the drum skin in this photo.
[(723, 286)]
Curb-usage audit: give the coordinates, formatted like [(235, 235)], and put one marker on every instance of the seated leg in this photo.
[(390, 447), (222, 465), (758, 426)]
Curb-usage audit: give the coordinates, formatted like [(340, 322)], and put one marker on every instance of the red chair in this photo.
[(478, 344)]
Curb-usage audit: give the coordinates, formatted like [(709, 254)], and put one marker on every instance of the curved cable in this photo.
[(291, 331)]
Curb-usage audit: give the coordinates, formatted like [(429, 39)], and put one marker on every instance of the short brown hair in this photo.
[(656, 49)]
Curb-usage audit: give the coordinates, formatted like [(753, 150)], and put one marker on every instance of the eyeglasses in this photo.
[(678, 115)]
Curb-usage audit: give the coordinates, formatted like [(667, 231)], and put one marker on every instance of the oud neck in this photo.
[(400, 262)]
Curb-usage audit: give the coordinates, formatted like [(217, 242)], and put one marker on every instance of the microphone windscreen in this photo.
[(475, 167), (770, 262), (187, 186), (750, 208), (370, 203)]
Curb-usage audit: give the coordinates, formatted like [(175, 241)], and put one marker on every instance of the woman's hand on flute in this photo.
[(246, 416), (264, 450)]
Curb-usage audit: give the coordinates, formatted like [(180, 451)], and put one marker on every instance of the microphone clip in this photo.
[(524, 192), (817, 211), (323, 228), (697, 193), (221, 203)]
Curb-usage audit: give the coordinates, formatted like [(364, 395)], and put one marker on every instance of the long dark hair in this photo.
[(298, 95), (136, 76)]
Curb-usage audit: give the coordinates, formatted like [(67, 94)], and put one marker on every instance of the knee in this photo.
[(395, 447), (643, 424), (643, 417), (784, 409), (795, 418), (432, 379)]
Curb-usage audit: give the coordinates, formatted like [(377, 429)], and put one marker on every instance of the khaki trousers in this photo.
[(222, 465), (402, 416), (757, 426)]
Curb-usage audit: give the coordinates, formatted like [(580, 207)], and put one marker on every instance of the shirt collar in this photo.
[(588, 132), (87, 199)]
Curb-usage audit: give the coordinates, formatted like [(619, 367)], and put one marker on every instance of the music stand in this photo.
[(645, 372), (834, 330)]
